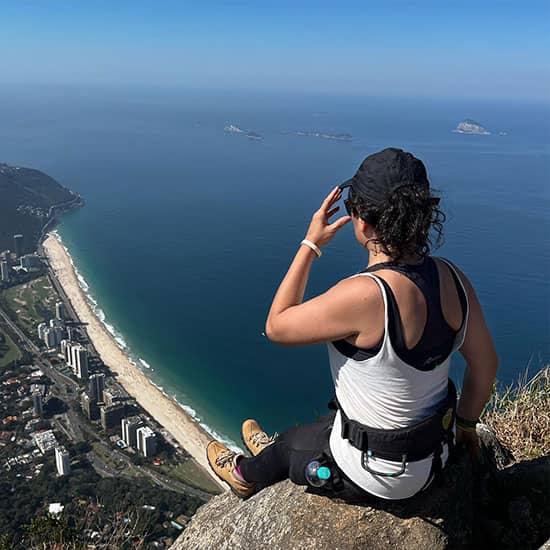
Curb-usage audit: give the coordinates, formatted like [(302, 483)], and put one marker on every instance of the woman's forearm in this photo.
[(320, 232), (476, 390)]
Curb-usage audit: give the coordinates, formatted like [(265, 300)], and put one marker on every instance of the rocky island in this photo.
[(232, 129), (322, 135), (254, 135), (470, 126)]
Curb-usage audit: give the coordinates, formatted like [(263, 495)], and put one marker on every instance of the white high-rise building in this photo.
[(18, 245), (76, 356), (72, 354), (81, 365), (60, 310), (69, 353), (64, 345), (56, 323), (62, 461), (42, 330), (146, 441), (130, 427), (5, 271)]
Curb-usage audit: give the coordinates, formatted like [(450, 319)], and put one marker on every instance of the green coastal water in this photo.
[(187, 230)]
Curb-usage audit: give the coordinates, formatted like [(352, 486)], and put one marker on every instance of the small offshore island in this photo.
[(232, 129), (322, 135), (469, 126)]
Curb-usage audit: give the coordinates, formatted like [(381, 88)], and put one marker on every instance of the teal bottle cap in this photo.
[(323, 473)]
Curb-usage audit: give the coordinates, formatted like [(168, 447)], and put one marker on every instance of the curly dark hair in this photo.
[(403, 221)]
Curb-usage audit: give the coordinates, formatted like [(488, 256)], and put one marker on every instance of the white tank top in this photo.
[(385, 392)]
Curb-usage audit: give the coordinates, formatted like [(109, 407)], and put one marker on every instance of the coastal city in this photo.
[(274, 275), (63, 412)]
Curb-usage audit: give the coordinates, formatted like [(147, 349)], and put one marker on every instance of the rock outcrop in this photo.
[(470, 126), (489, 507)]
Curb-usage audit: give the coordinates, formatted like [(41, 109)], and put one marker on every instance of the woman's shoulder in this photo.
[(452, 268), (361, 288)]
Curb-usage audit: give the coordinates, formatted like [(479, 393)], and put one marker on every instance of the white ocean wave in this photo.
[(216, 435), (82, 282), (189, 410), (145, 364), (219, 437), (121, 342), (192, 413), (160, 388)]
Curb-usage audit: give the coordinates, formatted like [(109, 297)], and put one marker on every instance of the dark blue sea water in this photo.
[(188, 230)]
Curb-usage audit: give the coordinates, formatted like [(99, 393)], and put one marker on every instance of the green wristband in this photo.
[(465, 429), (464, 423)]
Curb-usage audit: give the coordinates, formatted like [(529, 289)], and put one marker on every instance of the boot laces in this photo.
[(224, 458), (261, 438)]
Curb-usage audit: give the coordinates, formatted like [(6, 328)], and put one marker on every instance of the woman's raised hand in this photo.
[(320, 229)]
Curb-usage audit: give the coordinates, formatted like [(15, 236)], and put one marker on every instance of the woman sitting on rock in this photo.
[(391, 331)]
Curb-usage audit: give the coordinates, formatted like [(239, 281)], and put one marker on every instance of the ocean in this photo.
[(187, 229)]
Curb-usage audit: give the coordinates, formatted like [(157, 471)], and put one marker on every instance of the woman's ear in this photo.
[(363, 226)]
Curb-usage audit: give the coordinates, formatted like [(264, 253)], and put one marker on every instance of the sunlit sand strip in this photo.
[(189, 434)]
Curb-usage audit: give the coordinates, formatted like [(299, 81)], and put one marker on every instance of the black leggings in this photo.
[(289, 455)]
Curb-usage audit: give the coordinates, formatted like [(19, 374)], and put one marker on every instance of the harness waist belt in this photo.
[(411, 443)]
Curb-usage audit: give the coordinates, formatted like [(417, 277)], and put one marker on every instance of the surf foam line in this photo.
[(137, 361)]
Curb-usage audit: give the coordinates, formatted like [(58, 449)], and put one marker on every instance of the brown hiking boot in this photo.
[(223, 461), (255, 439)]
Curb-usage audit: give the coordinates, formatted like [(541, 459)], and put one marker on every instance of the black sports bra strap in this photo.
[(460, 290), (438, 337), (394, 317)]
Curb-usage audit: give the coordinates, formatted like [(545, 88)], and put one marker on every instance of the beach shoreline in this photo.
[(165, 410)]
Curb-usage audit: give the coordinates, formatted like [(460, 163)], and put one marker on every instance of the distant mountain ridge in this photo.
[(26, 200)]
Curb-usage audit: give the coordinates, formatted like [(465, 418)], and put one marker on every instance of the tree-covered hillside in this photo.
[(26, 196)]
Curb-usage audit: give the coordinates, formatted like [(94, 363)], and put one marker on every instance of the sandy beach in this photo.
[(164, 410)]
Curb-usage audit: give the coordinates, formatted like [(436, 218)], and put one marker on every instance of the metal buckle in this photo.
[(365, 463)]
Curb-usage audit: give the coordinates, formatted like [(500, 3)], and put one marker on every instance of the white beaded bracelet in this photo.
[(313, 247)]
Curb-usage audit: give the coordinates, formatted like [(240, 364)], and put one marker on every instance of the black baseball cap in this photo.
[(382, 173)]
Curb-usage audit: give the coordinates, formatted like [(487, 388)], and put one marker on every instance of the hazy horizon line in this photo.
[(180, 87)]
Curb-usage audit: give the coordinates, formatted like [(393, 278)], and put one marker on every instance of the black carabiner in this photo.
[(365, 464)]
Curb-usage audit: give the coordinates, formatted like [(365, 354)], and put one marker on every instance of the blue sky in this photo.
[(422, 48)]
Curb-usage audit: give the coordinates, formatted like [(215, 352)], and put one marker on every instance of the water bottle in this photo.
[(317, 474)]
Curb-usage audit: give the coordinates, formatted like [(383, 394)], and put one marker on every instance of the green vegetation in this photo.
[(91, 504), (189, 473), (30, 303), (26, 199), (9, 352), (51, 530), (520, 416)]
